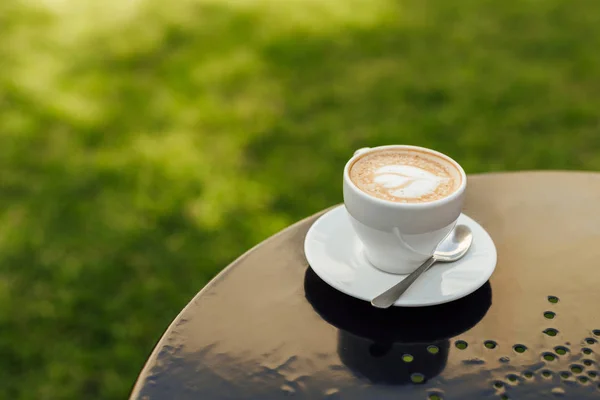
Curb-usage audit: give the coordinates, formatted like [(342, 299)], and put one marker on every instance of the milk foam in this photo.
[(407, 181), (405, 176)]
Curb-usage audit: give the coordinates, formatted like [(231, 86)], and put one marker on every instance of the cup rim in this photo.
[(429, 204)]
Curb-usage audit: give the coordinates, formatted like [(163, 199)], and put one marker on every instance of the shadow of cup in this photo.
[(392, 363), (397, 345)]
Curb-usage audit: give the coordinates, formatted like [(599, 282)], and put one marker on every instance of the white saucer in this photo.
[(336, 255)]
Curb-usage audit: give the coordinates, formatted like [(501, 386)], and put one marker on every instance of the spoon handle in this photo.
[(389, 297)]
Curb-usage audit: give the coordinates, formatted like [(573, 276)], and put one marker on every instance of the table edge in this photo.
[(138, 383)]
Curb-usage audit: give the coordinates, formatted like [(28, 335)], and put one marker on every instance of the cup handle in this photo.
[(404, 244), (361, 150)]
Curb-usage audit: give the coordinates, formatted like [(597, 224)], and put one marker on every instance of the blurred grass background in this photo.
[(145, 144)]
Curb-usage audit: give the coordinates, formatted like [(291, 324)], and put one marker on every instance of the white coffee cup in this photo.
[(398, 237)]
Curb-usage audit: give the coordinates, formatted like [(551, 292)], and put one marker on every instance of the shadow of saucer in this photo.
[(400, 344)]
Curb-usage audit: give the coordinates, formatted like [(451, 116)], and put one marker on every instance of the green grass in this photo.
[(144, 145)]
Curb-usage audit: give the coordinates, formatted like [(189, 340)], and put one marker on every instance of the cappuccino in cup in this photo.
[(405, 175), (402, 201)]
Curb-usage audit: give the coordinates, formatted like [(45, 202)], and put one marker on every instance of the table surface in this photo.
[(268, 328)]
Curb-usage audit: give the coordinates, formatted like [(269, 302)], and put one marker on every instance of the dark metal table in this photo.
[(268, 328)]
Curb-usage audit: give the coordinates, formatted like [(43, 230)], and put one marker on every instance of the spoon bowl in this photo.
[(455, 245)]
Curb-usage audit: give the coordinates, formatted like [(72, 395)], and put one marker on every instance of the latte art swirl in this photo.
[(406, 176), (407, 181)]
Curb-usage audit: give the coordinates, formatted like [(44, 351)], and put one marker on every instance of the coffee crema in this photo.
[(405, 176)]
